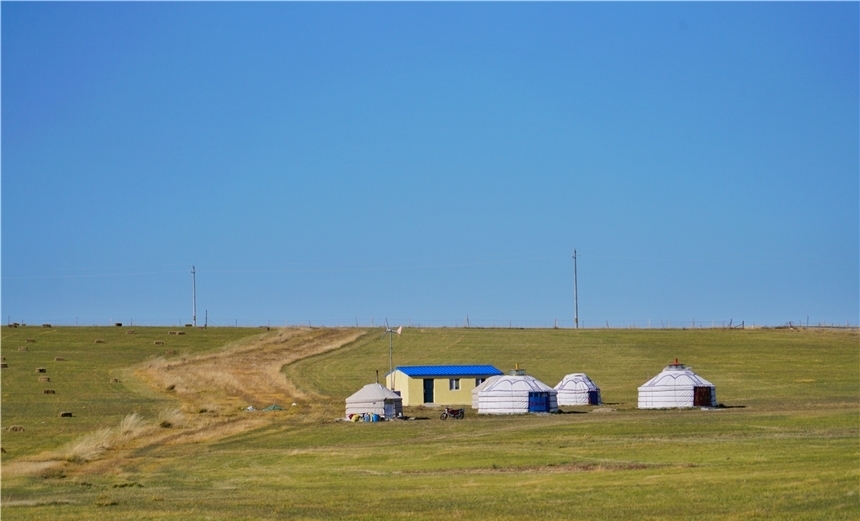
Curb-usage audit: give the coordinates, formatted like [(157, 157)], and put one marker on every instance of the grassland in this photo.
[(785, 446)]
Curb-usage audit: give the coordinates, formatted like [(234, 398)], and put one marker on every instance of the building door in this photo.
[(593, 397), (428, 390)]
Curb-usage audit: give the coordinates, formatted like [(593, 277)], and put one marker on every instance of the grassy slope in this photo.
[(785, 449), (83, 380)]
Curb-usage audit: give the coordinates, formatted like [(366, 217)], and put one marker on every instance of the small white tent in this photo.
[(677, 386), (480, 388), (375, 399), (578, 389), (517, 394)]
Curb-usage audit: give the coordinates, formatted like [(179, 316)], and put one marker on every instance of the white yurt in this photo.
[(677, 386), (375, 399), (578, 389), (517, 394), (480, 387)]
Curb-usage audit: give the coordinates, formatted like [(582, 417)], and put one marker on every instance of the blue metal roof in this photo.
[(448, 370)]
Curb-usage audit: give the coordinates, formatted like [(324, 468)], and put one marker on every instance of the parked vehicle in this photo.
[(457, 414)]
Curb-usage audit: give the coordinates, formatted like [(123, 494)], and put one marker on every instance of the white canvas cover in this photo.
[(510, 395), (573, 389), (375, 399), (480, 387), (674, 387)]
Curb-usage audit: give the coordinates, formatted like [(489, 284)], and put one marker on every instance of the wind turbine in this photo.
[(390, 332)]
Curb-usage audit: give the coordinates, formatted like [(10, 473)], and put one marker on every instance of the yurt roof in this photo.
[(373, 392), (483, 385), (516, 383), (677, 375), (576, 382)]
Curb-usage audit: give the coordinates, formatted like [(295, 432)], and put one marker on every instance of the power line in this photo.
[(193, 296), (575, 294)]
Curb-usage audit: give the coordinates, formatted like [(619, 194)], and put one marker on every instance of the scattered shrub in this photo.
[(52, 473), (171, 417), (131, 424), (104, 501)]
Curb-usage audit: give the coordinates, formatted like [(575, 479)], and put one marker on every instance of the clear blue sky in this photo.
[(332, 162)]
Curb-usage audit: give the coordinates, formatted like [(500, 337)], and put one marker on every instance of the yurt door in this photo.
[(538, 402), (593, 397), (428, 390), (702, 397)]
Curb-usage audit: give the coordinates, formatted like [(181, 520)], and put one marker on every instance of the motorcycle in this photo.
[(457, 414)]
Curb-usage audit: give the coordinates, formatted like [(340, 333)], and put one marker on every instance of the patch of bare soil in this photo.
[(248, 374), (214, 390)]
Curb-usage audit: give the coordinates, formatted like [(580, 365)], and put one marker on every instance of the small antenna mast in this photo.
[(390, 332), (194, 296)]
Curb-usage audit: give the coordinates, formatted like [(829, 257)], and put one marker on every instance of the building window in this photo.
[(479, 381), (454, 384)]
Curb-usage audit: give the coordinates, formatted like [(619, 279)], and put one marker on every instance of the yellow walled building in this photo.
[(438, 384)]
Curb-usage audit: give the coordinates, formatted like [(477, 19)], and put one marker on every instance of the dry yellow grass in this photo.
[(89, 447)]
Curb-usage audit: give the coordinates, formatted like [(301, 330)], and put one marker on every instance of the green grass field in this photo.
[(786, 445)]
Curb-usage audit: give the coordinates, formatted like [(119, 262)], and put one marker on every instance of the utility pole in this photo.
[(193, 296), (575, 295)]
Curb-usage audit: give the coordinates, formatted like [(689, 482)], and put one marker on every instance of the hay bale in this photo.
[(172, 332), (41, 370), (31, 340), (48, 391), (46, 325), (189, 325), (4, 366), (180, 332), (44, 378), (170, 352), (16, 428), (99, 341), (23, 348), (158, 343), (129, 332), (114, 380), (65, 414), (59, 359)]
